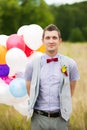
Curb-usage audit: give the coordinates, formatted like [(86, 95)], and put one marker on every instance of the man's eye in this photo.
[(54, 38), (47, 38)]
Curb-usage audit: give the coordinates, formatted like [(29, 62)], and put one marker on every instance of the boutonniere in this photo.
[(64, 70)]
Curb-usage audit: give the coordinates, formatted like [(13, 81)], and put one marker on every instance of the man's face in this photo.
[(51, 41)]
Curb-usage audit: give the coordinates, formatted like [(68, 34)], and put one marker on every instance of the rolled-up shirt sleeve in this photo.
[(73, 71), (28, 71)]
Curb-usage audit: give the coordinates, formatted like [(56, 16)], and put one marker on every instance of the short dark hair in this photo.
[(51, 27)]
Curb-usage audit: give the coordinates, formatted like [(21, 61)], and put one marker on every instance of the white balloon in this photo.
[(5, 96), (22, 106), (22, 30), (3, 89), (33, 36), (16, 59), (3, 39)]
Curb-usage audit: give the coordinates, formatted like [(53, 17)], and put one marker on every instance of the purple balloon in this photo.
[(4, 70)]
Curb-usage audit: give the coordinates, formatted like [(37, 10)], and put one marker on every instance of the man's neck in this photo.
[(51, 54)]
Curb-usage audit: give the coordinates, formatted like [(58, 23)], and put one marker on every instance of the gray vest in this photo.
[(65, 93)]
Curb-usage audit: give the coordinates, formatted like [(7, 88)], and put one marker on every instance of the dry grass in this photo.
[(12, 120), (78, 52)]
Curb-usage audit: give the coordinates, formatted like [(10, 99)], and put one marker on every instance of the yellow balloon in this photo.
[(41, 49), (3, 51)]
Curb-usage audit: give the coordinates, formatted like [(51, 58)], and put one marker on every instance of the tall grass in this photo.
[(78, 52), (10, 119)]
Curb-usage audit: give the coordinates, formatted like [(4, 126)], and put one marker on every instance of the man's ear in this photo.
[(60, 41), (42, 40)]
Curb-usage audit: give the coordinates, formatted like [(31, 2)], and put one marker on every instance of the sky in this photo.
[(62, 1)]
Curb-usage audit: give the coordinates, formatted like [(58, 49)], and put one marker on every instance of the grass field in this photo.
[(10, 119), (78, 52)]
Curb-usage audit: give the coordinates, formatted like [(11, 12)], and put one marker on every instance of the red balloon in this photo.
[(15, 41), (28, 51)]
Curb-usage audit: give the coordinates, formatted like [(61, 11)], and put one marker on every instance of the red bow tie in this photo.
[(52, 59)]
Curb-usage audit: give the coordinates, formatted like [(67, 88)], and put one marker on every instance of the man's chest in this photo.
[(50, 73)]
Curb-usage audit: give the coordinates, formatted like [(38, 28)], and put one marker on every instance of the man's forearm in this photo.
[(72, 87), (28, 87)]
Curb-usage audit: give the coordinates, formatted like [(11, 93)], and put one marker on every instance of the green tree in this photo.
[(15, 13), (37, 12), (9, 16), (84, 30), (76, 35), (64, 19), (67, 17)]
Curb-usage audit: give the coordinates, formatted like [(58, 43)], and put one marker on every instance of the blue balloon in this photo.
[(17, 87)]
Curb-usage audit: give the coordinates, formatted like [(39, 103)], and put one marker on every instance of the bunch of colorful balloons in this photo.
[(15, 51)]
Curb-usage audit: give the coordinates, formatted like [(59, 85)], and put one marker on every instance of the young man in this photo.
[(50, 81)]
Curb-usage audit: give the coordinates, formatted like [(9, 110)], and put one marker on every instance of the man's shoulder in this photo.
[(35, 57), (66, 59)]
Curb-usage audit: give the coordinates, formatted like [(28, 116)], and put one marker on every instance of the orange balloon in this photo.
[(41, 49), (3, 51)]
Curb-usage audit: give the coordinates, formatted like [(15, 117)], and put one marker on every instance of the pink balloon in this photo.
[(7, 79), (15, 41)]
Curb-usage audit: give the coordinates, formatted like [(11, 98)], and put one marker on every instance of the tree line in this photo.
[(70, 19)]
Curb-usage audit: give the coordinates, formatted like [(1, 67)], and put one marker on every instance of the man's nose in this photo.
[(51, 40)]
